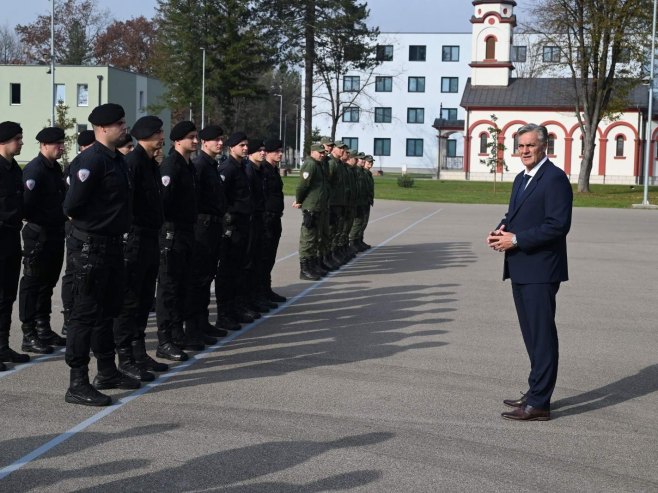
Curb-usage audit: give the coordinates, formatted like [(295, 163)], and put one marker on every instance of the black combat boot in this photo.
[(364, 245), (354, 248), (143, 360), (329, 262), (305, 271), (65, 325), (224, 319), (7, 354), (209, 329), (193, 336), (31, 341), (242, 308), (108, 377), (47, 335), (323, 265), (81, 392), (337, 258), (275, 297), (316, 265), (2, 366), (129, 367), (170, 351)]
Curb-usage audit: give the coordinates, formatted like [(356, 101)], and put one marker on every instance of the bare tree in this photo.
[(10, 46)]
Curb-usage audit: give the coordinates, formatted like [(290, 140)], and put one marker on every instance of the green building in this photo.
[(26, 97)]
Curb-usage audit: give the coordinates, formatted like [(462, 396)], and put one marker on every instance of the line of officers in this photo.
[(130, 224), (335, 192)]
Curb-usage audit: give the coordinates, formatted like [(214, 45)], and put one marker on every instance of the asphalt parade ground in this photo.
[(386, 376)]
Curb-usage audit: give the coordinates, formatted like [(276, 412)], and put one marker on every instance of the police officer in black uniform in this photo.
[(43, 241), (231, 288), (11, 220), (176, 244), (99, 204), (142, 253), (273, 188), (211, 204), (86, 139)]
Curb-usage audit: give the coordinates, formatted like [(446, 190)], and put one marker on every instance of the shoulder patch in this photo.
[(306, 174), (29, 184), (166, 180), (83, 174)]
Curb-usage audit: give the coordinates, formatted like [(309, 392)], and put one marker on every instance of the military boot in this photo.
[(337, 258), (143, 360), (275, 297), (305, 271), (2, 366), (224, 319), (316, 265), (171, 351), (193, 336), (108, 377), (31, 341), (329, 262), (129, 367), (81, 392), (47, 335), (7, 354)]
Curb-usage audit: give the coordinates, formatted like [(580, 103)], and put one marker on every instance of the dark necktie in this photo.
[(521, 189)]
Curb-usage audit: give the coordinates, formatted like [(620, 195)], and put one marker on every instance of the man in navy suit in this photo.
[(533, 236)]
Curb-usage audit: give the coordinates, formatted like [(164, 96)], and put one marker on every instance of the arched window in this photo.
[(619, 151), (483, 143), (515, 145), (550, 148), (490, 53)]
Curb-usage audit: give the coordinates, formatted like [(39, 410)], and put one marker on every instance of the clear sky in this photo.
[(389, 15)]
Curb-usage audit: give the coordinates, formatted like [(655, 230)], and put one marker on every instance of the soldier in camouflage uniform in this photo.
[(362, 204), (350, 210), (370, 182)]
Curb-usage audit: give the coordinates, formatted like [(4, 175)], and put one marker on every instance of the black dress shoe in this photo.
[(528, 413), (171, 352), (517, 402)]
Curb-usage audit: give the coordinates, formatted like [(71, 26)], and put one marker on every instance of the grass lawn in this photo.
[(475, 192)]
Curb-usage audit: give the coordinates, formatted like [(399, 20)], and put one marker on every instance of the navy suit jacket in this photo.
[(540, 220)]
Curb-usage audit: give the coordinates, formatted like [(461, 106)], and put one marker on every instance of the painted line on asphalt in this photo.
[(46, 447), (33, 361), (294, 254)]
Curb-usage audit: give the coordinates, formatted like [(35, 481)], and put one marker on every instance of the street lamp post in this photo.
[(645, 200), (280, 114), (203, 87), (296, 134), (52, 60)]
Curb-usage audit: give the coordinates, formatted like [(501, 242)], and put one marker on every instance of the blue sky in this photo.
[(389, 15)]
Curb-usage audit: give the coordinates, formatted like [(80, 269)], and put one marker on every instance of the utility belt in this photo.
[(144, 231), (45, 232), (209, 218), (95, 239)]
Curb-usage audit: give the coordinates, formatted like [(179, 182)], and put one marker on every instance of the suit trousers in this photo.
[(535, 308)]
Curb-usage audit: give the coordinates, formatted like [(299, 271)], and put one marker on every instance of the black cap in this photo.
[(236, 138), (181, 129), (86, 137), (255, 145), (106, 114), (211, 132), (127, 139), (50, 135), (272, 145), (9, 130), (146, 126)]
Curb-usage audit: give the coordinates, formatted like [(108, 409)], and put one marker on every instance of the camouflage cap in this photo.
[(326, 141), (369, 158), (353, 152), (317, 147), (361, 155), (340, 145)]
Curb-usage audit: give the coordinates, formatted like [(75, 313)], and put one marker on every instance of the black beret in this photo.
[(272, 145), (211, 132), (86, 137), (50, 135), (146, 126), (127, 139), (255, 145), (236, 138), (9, 130), (181, 129), (106, 114)]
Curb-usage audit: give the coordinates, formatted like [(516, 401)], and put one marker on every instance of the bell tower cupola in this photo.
[(493, 24)]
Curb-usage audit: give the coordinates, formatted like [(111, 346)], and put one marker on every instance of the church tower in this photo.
[(493, 23)]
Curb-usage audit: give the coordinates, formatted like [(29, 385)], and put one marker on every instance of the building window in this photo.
[(383, 115), (519, 53), (451, 151), (60, 93), (515, 145), (449, 113), (484, 143), (550, 147), (450, 54), (551, 54), (351, 114), (15, 93), (416, 84), (619, 152), (351, 142), (384, 53), (449, 84), (83, 95), (414, 147), (490, 50), (383, 84), (417, 53), (351, 83), (382, 147), (415, 115)]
